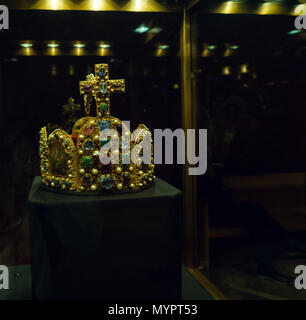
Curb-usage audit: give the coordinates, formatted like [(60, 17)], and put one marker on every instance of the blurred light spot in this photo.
[(142, 29), (226, 70), (53, 45), (294, 31), (155, 30), (26, 45), (53, 70), (299, 10), (71, 71), (95, 5), (244, 68), (54, 4), (105, 45), (163, 46), (79, 45)]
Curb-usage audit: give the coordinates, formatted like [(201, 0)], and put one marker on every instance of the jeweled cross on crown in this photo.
[(100, 87)]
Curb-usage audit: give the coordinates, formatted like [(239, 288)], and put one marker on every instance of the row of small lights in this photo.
[(56, 45), (265, 8), (227, 7)]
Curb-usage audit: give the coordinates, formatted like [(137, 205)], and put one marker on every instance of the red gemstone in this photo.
[(74, 138), (88, 130)]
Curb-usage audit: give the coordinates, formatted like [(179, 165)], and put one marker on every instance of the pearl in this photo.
[(96, 153), (52, 177), (63, 187), (140, 184), (140, 172), (52, 184), (150, 179), (92, 122), (80, 151), (95, 171), (96, 137), (118, 170), (131, 169), (132, 185), (61, 137), (81, 137), (93, 187), (119, 186), (70, 175), (69, 161), (82, 188), (82, 171)]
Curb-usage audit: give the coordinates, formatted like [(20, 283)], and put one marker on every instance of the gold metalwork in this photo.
[(189, 106), (71, 162), (99, 86)]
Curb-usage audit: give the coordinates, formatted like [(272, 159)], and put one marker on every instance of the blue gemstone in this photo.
[(56, 136), (48, 141), (103, 87), (47, 181), (65, 142), (88, 145), (57, 183), (142, 180), (46, 167), (107, 182), (104, 124), (101, 72)]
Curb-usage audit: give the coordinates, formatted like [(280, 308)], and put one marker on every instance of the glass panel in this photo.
[(249, 75), (45, 54)]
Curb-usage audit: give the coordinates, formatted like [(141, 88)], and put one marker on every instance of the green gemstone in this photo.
[(86, 162), (104, 141), (78, 127), (103, 107)]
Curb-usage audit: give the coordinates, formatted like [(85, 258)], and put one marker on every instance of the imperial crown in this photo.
[(73, 161)]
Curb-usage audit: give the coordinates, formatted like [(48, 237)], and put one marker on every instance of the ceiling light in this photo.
[(234, 47), (53, 45), (211, 47), (26, 45), (104, 45), (79, 45)]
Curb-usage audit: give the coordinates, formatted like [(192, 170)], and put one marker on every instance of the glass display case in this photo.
[(247, 65)]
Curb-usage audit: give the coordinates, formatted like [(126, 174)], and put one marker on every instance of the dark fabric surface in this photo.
[(122, 246)]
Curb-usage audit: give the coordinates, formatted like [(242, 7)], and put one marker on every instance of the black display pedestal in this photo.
[(123, 246)]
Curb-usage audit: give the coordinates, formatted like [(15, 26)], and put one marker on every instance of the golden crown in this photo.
[(73, 161)]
